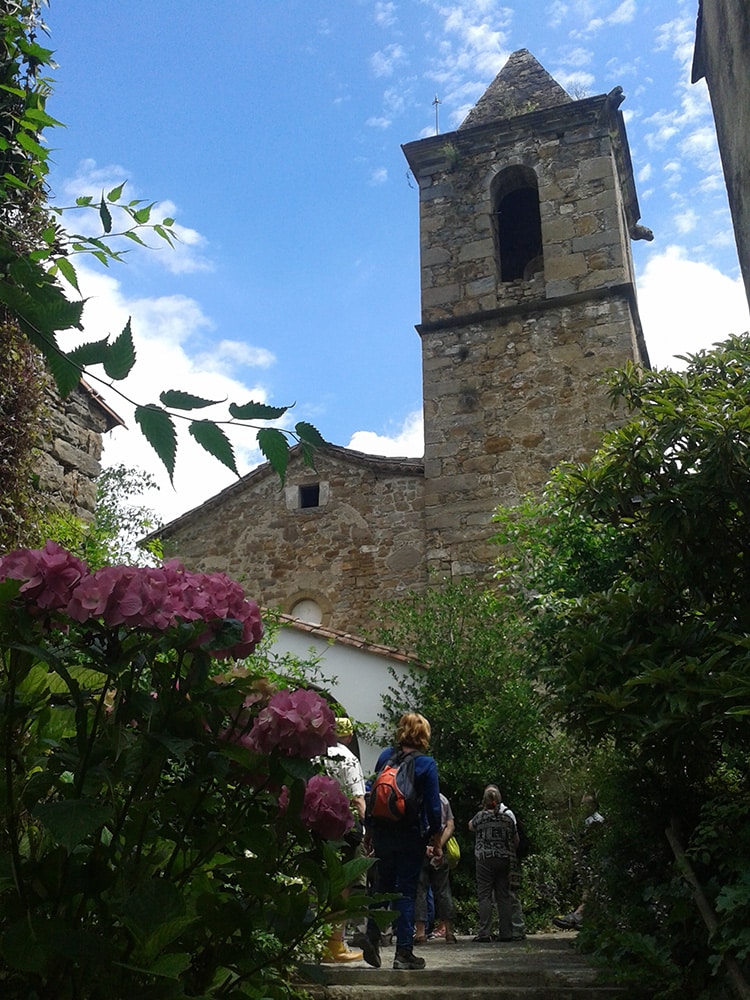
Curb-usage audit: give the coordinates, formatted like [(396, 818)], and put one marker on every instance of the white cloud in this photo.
[(678, 35), (686, 306), (186, 256), (379, 176), (685, 222), (384, 62), (227, 356), (664, 129), (394, 100), (579, 57), (471, 43), (407, 442), (590, 18), (624, 14), (380, 122), (556, 13), (644, 174), (171, 336), (701, 147), (385, 14), (576, 82)]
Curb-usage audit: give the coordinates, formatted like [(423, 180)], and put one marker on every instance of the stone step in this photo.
[(544, 967), (417, 989)]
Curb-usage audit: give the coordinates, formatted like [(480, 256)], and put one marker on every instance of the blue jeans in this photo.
[(399, 863)]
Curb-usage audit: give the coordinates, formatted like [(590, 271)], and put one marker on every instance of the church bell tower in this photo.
[(528, 297)]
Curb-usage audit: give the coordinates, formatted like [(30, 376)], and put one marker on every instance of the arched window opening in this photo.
[(517, 224), (308, 610)]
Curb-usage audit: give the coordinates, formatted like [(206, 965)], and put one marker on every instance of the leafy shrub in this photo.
[(488, 726), (163, 828)]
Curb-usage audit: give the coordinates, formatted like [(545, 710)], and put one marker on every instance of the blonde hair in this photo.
[(492, 797), (414, 731)]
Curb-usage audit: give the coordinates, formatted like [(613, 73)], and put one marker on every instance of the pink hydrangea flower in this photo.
[(242, 722), (135, 596), (156, 598), (325, 809), (299, 723), (49, 574)]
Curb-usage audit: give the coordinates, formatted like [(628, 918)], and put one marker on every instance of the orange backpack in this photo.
[(393, 793)]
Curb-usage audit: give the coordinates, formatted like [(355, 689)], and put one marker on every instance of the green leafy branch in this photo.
[(59, 245)]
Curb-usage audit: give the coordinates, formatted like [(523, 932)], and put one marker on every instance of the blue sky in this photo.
[(272, 131)]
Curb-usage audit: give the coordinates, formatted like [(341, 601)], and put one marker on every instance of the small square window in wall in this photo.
[(306, 496), (309, 496)]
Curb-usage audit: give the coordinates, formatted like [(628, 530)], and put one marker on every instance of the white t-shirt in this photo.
[(344, 766)]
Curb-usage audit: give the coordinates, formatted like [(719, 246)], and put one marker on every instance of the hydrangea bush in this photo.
[(164, 830)]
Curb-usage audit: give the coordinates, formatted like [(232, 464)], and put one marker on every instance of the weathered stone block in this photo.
[(477, 250), (435, 255), (440, 295), (565, 266), (595, 241)]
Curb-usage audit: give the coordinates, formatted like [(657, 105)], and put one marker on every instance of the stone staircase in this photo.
[(543, 967)]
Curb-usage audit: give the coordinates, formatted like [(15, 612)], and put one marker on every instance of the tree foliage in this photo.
[(487, 719), (642, 638), (120, 522)]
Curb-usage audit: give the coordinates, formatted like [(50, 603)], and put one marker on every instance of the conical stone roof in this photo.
[(522, 85)]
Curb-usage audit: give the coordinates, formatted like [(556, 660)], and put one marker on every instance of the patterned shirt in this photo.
[(495, 834)]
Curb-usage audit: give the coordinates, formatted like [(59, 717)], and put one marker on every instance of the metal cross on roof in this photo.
[(436, 104)]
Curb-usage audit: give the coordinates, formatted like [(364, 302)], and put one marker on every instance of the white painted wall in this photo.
[(362, 679)]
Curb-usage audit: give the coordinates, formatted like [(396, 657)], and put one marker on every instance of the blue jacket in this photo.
[(428, 787)]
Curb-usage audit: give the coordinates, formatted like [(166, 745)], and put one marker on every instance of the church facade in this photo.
[(527, 211)]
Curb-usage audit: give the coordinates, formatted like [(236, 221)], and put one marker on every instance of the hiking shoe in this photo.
[(407, 960), (370, 949), (570, 922), (483, 939)]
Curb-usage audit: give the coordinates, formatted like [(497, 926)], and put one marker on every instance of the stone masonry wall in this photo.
[(584, 228), (70, 462), (363, 544), (512, 370), (722, 56), (511, 399)]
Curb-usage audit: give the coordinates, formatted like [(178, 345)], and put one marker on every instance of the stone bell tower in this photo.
[(528, 297)]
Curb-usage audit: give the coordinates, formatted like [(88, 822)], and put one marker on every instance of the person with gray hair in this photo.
[(495, 843)]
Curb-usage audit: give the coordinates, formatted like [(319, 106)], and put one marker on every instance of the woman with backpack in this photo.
[(495, 844), (403, 816)]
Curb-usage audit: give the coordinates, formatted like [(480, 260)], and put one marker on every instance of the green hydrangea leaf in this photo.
[(72, 820)]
